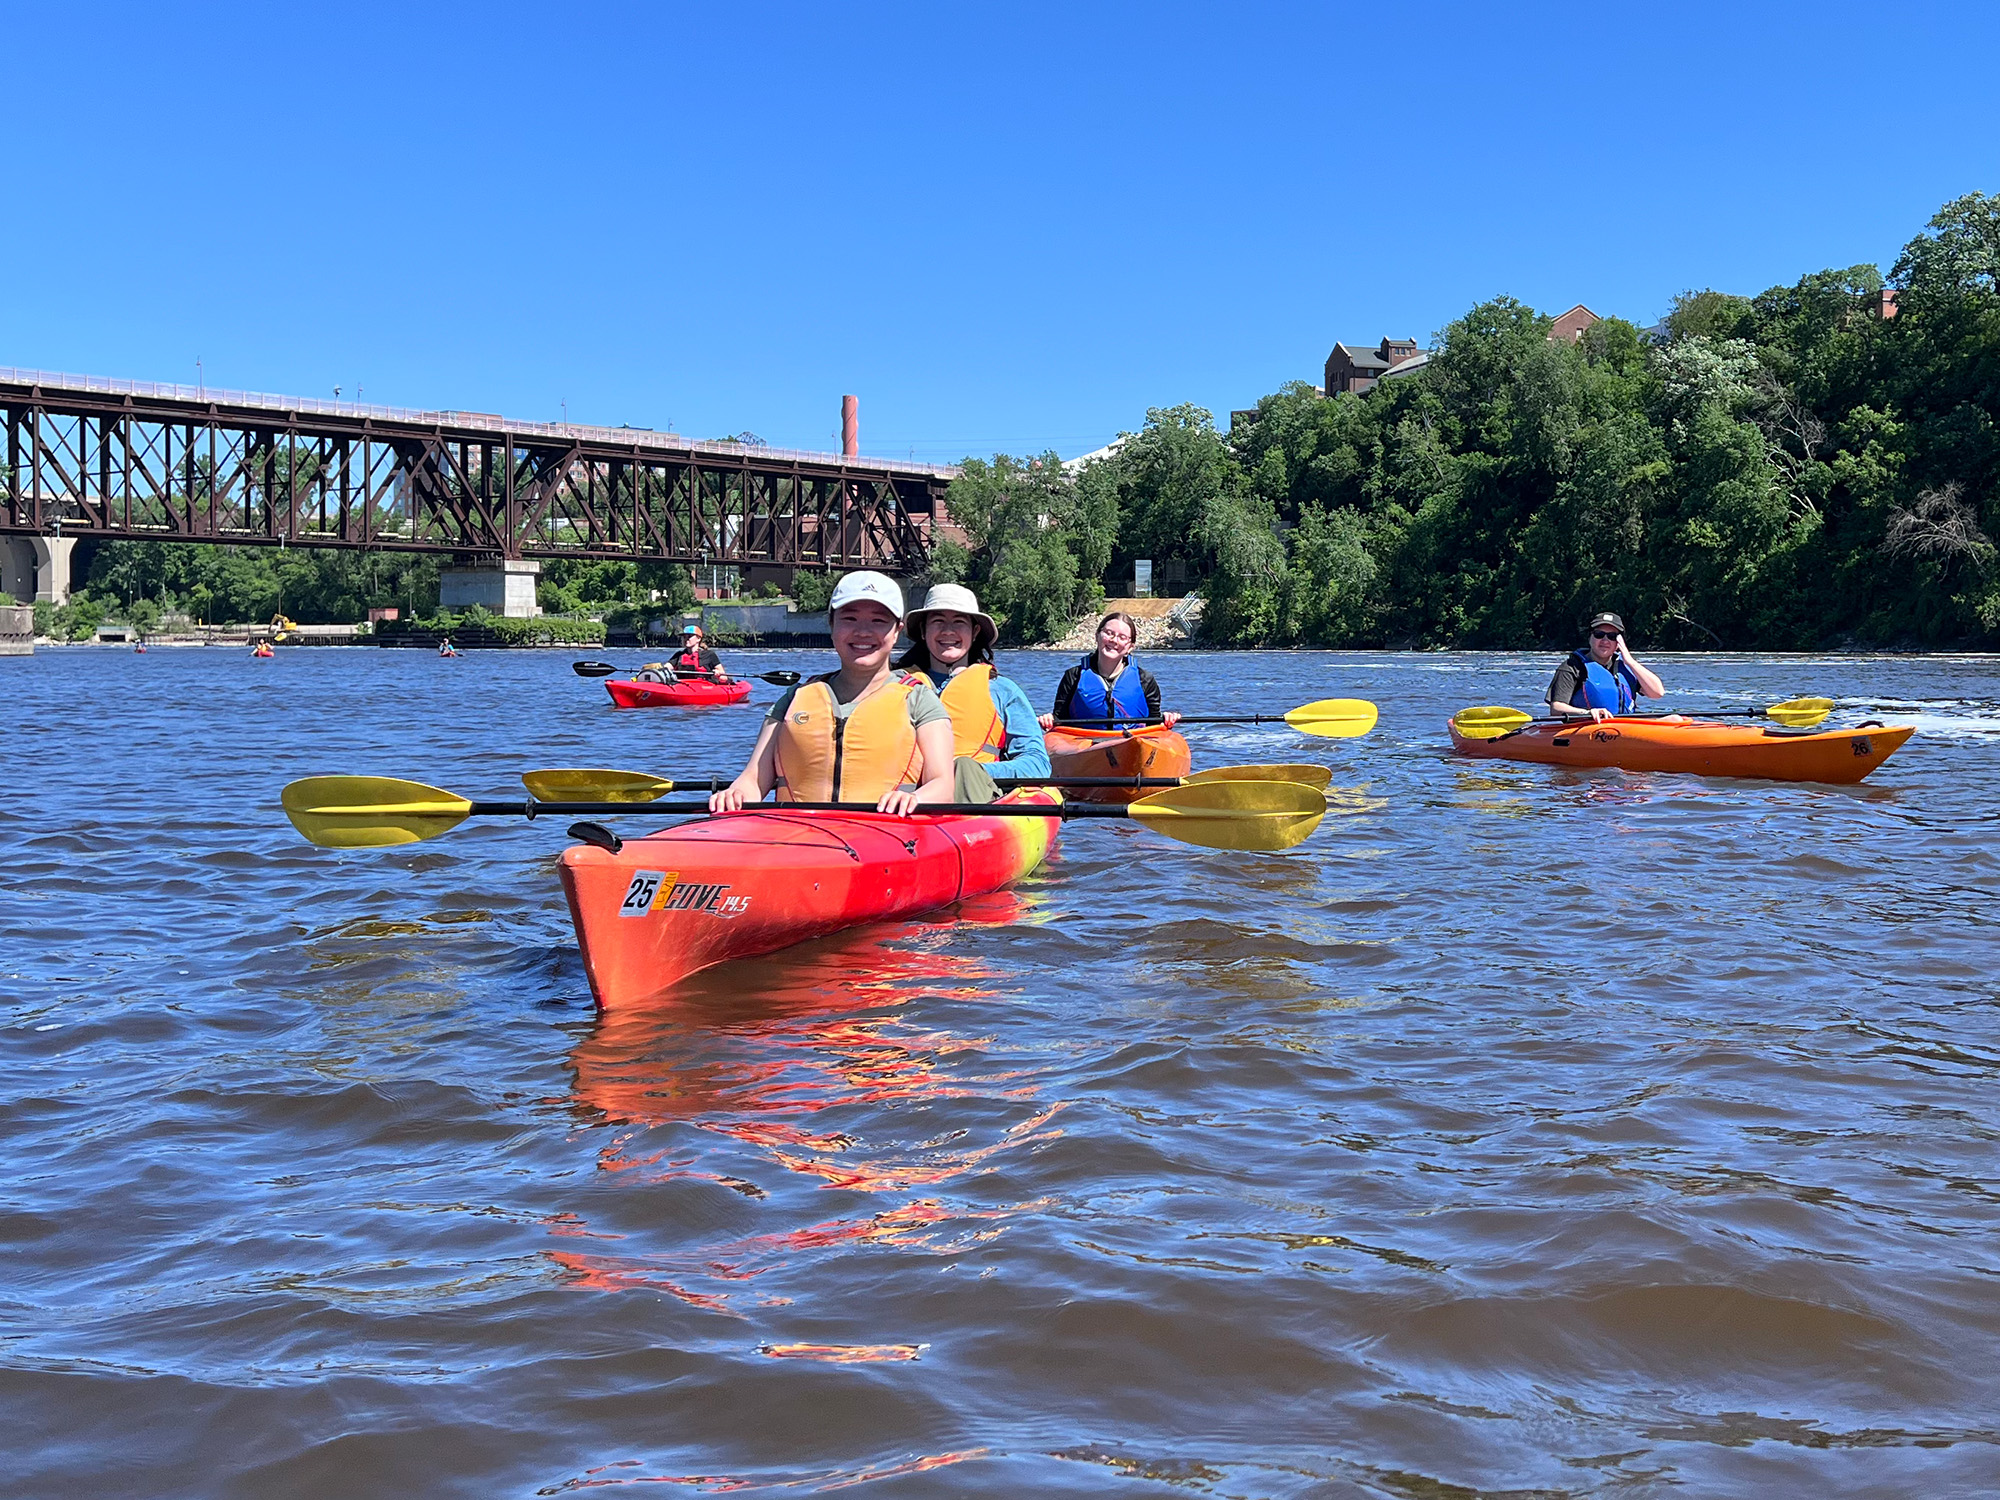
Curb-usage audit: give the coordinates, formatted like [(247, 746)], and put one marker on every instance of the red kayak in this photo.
[(752, 882), (692, 693)]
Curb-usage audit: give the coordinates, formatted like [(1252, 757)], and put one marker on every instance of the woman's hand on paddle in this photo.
[(1047, 721), (739, 794), (1170, 718)]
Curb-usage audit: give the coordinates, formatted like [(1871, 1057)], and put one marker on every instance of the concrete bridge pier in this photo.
[(35, 569), (506, 587)]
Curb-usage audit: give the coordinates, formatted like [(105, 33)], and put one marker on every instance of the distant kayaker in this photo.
[(695, 659), (446, 648), (1604, 678), (866, 733), (1108, 684), (992, 721)]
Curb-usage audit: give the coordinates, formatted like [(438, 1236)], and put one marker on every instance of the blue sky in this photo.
[(1006, 228)]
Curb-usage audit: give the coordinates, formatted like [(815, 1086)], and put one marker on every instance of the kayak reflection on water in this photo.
[(819, 1032)]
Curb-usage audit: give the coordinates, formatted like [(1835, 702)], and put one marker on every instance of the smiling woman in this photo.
[(862, 733), (992, 720)]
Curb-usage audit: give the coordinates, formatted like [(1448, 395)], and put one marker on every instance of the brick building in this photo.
[(1358, 369), (1570, 326)]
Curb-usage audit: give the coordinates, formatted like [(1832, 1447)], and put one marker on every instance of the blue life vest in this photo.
[(1123, 699), (1599, 688)]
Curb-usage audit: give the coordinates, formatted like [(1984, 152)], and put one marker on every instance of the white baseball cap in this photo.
[(879, 587)]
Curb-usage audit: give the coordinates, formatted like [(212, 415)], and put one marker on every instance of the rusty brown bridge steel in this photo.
[(85, 456)]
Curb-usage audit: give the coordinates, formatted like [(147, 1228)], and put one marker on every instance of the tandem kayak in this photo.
[(1699, 747), (629, 693), (1153, 750), (752, 882)]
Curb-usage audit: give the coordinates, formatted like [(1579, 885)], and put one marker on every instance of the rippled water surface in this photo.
[(1525, 1132)]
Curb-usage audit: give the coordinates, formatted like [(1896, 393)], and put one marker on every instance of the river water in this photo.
[(1525, 1132)]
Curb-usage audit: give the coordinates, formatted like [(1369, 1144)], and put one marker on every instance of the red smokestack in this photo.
[(850, 426)]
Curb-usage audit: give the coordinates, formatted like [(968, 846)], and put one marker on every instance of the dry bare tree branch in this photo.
[(1939, 526)]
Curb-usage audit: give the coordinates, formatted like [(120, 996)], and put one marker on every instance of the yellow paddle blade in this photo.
[(594, 786), (1333, 718), (1304, 775), (1795, 718), (1489, 723), (370, 812), (1799, 713), (1261, 816)]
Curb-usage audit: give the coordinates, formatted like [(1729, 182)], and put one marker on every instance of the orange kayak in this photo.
[(1699, 747), (1153, 750), (753, 882)]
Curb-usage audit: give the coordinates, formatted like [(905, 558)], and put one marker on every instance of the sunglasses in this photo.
[(1604, 635)]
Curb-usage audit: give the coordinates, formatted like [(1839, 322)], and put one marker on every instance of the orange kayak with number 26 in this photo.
[(1699, 747)]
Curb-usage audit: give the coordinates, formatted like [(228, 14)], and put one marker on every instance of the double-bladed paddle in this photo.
[(1329, 718), (1493, 722), (605, 669), (373, 812), (637, 786)]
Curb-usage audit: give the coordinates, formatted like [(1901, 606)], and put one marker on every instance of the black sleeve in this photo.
[(1152, 691), (1563, 686), (709, 660), (1066, 690)]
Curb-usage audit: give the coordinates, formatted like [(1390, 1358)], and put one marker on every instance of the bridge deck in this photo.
[(91, 456)]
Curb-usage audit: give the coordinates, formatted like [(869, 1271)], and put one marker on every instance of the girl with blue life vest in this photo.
[(866, 733), (1604, 679), (992, 721), (1108, 684)]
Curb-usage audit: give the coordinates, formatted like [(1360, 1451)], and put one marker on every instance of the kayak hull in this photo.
[(741, 884), (629, 694), (1153, 750), (1696, 747)]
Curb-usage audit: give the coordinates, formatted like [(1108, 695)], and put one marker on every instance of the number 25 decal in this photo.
[(640, 894)]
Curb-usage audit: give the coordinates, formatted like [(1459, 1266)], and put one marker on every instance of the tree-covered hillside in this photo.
[(1787, 470)]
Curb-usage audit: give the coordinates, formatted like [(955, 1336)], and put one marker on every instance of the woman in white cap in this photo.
[(865, 733), (992, 721)]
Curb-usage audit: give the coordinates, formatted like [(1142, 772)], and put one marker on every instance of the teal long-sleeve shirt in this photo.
[(1025, 754)]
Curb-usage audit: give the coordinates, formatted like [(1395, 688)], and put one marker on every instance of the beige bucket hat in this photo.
[(957, 599)]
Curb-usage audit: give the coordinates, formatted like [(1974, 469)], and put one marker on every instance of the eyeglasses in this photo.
[(1604, 635)]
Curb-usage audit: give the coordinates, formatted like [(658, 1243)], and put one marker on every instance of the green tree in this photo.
[(1036, 539)]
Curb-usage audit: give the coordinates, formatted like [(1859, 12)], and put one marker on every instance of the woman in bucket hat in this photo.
[(992, 721), (864, 733)]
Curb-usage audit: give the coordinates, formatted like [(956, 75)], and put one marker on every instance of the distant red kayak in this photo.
[(692, 694)]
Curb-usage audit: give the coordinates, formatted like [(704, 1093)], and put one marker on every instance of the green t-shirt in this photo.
[(925, 706)]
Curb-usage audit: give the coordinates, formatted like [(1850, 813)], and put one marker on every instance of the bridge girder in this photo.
[(133, 464)]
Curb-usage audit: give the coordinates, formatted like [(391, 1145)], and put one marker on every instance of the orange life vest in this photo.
[(977, 727), (825, 758)]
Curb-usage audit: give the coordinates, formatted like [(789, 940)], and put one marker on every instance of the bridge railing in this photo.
[(474, 420)]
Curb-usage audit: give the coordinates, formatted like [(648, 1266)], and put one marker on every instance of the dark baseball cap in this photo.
[(1607, 618)]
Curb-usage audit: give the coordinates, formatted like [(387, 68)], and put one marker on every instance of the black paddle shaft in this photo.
[(532, 809)]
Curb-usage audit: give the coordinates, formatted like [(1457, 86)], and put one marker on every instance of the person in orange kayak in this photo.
[(1604, 678), (1108, 684), (992, 721), (866, 733)]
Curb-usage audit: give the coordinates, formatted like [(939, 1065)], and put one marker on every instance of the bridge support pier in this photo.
[(35, 569), (505, 588)]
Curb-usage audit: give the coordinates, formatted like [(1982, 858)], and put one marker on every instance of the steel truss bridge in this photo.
[(131, 461)]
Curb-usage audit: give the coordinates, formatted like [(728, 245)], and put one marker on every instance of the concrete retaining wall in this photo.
[(17, 630)]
